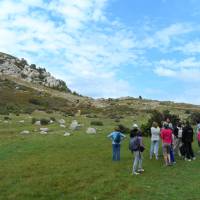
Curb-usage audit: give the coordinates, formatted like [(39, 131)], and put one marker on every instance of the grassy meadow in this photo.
[(79, 167)]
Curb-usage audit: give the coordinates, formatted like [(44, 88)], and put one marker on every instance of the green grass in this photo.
[(79, 167)]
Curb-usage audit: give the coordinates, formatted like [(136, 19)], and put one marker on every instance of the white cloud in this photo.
[(74, 37)]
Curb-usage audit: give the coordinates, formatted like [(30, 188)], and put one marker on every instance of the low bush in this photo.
[(96, 123), (44, 121), (123, 129)]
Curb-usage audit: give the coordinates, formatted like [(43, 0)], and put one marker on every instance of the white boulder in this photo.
[(67, 134), (61, 121), (38, 123), (44, 129), (74, 125), (91, 131), (62, 126), (25, 132), (43, 132)]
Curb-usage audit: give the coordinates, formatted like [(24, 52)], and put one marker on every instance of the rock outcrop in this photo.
[(19, 68)]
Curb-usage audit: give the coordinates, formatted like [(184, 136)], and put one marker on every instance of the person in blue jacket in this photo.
[(116, 136)]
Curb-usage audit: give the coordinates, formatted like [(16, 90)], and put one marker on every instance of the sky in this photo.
[(110, 48)]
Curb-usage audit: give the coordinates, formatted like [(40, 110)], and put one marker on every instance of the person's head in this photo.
[(135, 127), (155, 124), (117, 128), (179, 124), (165, 125), (187, 123), (198, 129), (167, 120)]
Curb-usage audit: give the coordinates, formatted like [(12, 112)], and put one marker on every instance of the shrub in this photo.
[(44, 121), (34, 120), (194, 117), (7, 118), (35, 101), (96, 123), (123, 129), (117, 120), (53, 119), (158, 117)]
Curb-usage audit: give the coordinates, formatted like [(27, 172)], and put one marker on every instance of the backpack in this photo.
[(117, 138), (134, 144)]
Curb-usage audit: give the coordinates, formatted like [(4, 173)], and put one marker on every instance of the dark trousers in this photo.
[(116, 151), (172, 154), (188, 150)]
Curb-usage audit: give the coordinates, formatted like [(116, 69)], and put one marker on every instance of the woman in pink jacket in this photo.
[(166, 135)]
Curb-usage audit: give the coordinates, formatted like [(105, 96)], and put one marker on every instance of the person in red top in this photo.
[(166, 136)]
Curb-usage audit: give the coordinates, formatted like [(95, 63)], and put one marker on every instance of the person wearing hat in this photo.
[(137, 147)]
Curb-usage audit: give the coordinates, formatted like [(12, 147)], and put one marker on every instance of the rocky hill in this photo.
[(19, 68), (25, 88)]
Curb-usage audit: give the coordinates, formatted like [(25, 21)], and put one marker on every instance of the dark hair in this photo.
[(135, 132)]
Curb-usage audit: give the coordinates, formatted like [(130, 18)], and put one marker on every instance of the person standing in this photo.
[(187, 139), (155, 138), (198, 138), (177, 143), (137, 147), (166, 135), (116, 136)]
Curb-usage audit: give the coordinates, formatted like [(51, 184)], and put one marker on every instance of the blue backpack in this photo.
[(117, 138)]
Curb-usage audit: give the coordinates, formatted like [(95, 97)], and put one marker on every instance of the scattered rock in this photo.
[(22, 121), (44, 129), (74, 125), (51, 121), (43, 132), (91, 131), (38, 123), (62, 126), (25, 132), (5, 122), (61, 121), (67, 134)]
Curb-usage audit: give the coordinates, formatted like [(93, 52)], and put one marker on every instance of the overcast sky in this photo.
[(110, 48)]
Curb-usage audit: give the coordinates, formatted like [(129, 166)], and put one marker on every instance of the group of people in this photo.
[(175, 140)]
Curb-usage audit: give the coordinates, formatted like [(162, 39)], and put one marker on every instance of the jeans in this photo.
[(137, 162), (116, 152), (154, 148), (172, 154)]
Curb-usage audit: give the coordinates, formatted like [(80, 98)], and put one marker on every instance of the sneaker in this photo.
[(135, 173), (140, 170), (194, 158), (189, 160)]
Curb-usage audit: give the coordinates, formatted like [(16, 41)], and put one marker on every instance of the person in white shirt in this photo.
[(155, 138)]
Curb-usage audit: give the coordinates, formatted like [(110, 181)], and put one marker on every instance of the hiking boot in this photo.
[(135, 173)]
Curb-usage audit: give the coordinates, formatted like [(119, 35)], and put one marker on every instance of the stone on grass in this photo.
[(38, 123), (67, 134), (61, 121), (44, 129), (62, 126), (25, 132), (74, 125), (91, 131), (22, 121), (43, 132)]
